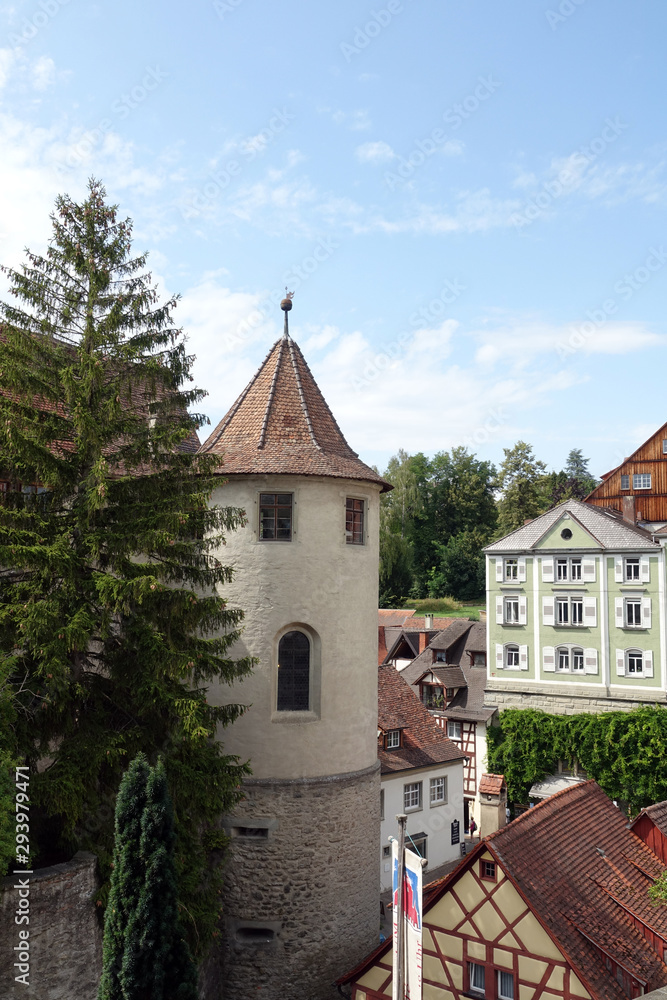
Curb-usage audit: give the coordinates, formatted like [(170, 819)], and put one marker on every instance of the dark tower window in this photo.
[(275, 516), (354, 521), (294, 672)]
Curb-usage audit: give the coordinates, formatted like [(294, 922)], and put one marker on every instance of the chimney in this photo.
[(428, 621), (629, 510), (423, 641)]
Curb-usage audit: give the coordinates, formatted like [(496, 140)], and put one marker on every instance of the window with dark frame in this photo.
[(625, 482), (294, 672), (354, 521), (275, 517), (487, 870)]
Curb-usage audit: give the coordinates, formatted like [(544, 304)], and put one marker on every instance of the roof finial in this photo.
[(286, 305)]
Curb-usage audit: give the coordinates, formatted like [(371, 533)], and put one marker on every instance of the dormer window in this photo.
[(441, 656), (392, 739), (433, 695)]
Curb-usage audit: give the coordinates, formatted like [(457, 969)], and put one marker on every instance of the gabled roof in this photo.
[(281, 424), (423, 741), (584, 875), (448, 677), (606, 526), (448, 636), (657, 814), (491, 784)]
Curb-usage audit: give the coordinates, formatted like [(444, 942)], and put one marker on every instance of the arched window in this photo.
[(563, 658), (294, 672), (512, 656), (635, 660)]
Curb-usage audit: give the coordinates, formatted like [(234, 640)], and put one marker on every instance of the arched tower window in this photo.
[(294, 672)]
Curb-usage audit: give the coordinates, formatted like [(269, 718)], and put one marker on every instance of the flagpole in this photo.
[(400, 928)]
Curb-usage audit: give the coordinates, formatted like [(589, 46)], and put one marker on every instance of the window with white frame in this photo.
[(511, 610), (634, 659), (664, 446), (512, 570), (512, 656), (568, 570), (569, 611), (641, 481), (631, 568), (633, 612), (569, 659), (505, 985), (476, 978), (393, 739), (438, 791), (454, 730), (412, 796), (577, 660), (563, 658)]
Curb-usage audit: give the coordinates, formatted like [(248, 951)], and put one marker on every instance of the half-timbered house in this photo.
[(553, 906)]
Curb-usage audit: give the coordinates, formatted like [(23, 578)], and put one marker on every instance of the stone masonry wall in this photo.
[(311, 882), (556, 701), (65, 942)]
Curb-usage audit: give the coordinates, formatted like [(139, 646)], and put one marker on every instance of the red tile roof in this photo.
[(281, 424), (418, 623), (424, 742), (394, 616), (491, 784)]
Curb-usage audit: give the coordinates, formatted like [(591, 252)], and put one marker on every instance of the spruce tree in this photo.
[(111, 620)]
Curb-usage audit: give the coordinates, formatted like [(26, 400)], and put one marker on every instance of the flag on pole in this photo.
[(412, 924)]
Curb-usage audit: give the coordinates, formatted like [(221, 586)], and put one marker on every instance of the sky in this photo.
[(467, 198)]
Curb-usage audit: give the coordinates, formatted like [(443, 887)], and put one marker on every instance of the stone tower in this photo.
[(301, 899)]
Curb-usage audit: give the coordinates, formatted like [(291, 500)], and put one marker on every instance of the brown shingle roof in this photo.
[(281, 424), (424, 742), (394, 616)]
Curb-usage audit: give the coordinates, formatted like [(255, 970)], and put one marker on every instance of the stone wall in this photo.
[(555, 700), (65, 942), (301, 902)]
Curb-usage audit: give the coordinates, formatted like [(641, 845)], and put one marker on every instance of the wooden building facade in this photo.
[(639, 485)]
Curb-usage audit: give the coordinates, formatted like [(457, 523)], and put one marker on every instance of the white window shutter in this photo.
[(549, 659), (618, 604), (522, 569), (591, 612), (499, 610), (646, 612), (588, 569), (499, 569), (590, 661), (523, 657), (547, 569), (499, 656), (548, 611), (523, 610), (620, 663), (648, 663), (618, 569), (645, 570)]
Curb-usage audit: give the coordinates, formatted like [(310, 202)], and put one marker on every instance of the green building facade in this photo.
[(576, 613)]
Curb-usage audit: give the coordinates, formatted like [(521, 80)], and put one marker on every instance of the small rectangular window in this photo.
[(563, 611), (632, 570), (512, 656), (275, 516), (354, 521), (393, 739), (578, 660), (488, 870), (386, 851), (664, 446), (454, 730), (561, 569), (505, 985), (479, 659), (575, 569), (641, 481), (577, 611), (635, 661), (633, 613), (511, 569), (511, 610), (563, 659), (382, 803), (476, 978), (412, 796), (625, 482), (438, 791)]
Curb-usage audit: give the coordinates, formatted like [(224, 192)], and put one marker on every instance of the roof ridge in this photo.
[(272, 390), (224, 423), (302, 398)]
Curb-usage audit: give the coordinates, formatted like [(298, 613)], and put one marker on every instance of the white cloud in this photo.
[(374, 152), (7, 63), (44, 73), (453, 147)]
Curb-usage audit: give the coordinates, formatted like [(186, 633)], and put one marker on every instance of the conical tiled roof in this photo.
[(281, 424)]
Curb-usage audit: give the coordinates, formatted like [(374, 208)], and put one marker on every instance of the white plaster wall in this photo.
[(319, 581), (481, 762), (434, 821)]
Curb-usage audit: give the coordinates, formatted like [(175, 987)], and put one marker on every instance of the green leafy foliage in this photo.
[(145, 953), (623, 751), (460, 569), (112, 626), (657, 892), (519, 482)]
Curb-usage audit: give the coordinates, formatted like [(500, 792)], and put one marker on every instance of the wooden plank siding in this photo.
[(646, 830), (650, 505)]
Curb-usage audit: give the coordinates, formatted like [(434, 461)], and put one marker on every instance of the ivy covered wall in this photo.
[(625, 752)]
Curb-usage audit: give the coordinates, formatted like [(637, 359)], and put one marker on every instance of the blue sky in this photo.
[(468, 199)]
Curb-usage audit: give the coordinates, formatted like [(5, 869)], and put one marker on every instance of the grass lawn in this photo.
[(447, 607)]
